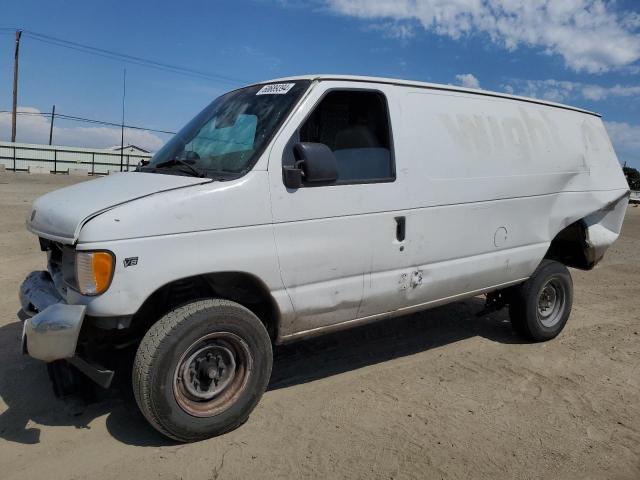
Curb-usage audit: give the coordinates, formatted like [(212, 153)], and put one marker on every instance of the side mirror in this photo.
[(315, 163)]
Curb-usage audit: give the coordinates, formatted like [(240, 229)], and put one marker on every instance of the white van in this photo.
[(304, 205)]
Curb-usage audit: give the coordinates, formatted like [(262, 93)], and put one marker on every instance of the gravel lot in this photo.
[(440, 394)]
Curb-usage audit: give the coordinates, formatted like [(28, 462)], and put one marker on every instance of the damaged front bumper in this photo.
[(52, 331)]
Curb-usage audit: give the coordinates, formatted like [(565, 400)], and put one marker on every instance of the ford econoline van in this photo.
[(300, 206)]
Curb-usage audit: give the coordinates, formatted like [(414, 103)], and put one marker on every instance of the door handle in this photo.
[(401, 228)]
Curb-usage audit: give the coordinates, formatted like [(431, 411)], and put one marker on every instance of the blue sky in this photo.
[(581, 52)]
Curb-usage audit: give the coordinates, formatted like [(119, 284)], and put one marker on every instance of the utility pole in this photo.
[(53, 116), (15, 85), (124, 92)]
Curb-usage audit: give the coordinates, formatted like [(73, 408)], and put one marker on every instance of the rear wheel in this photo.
[(201, 369), (540, 307)]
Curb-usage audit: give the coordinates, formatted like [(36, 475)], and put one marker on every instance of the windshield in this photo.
[(226, 138)]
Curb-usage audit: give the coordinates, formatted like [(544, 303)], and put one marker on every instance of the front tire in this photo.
[(201, 369), (540, 307)]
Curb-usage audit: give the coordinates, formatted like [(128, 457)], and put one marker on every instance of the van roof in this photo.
[(430, 86)]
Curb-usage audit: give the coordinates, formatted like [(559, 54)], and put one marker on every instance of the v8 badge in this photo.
[(130, 262)]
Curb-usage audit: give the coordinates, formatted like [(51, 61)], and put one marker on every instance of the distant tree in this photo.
[(633, 177)]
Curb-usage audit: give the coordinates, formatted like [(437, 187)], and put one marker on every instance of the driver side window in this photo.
[(355, 126)]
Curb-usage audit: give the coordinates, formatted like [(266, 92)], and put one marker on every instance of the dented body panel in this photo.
[(485, 183)]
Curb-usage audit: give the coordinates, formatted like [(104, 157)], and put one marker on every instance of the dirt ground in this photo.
[(439, 394)]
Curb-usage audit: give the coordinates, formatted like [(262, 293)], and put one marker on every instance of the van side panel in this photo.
[(491, 183), (484, 183), (472, 148)]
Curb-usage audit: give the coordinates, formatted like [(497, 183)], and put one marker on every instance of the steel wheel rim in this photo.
[(551, 301), (211, 374)]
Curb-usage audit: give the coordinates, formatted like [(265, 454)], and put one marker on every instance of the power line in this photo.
[(90, 120), (145, 62), (100, 122), (113, 55), (26, 113)]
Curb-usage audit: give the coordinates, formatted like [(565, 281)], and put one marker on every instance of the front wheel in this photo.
[(201, 369), (540, 307)]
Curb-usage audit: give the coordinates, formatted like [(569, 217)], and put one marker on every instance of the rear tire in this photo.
[(540, 307), (201, 369)]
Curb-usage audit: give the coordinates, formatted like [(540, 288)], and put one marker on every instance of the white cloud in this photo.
[(395, 30), (626, 139), (588, 34), (468, 80), (550, 89), (35, 129), (560, 90), (596, 92)]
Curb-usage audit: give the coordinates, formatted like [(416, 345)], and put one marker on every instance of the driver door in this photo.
[(325, 235)]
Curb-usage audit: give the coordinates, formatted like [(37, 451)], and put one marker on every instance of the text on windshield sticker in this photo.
[(275, 89)]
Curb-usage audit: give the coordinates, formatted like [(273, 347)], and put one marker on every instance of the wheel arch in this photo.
[(243, 288), (571, 247), (583, 243)]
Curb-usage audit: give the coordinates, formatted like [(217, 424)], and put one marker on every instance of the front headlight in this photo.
[(91, 272)]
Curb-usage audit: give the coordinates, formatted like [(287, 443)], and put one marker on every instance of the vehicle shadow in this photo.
[(26, 390), (378, 342)]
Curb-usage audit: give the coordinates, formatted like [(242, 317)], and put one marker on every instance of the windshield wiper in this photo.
[(176, 161)]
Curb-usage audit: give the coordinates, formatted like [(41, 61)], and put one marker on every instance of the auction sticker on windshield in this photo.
[(275, 89)]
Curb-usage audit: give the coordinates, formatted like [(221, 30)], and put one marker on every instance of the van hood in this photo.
[(60, 215)]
